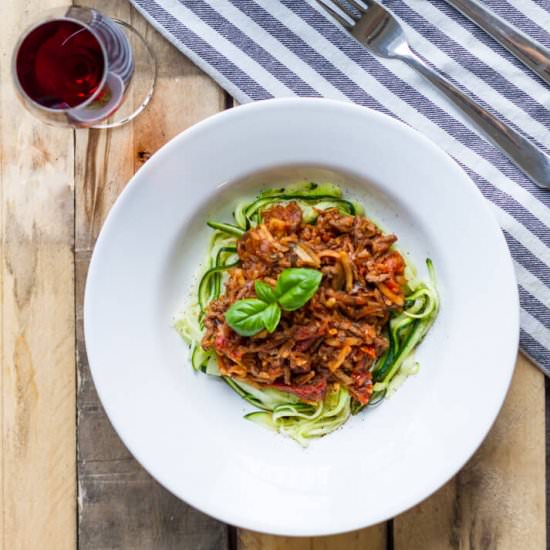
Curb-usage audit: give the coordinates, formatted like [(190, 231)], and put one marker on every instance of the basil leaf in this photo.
[(271, 317), (293, 289), (296, 286), (265, 292), (245, 317)]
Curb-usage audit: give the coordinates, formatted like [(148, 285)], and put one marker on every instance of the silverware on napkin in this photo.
[(380, 32), (529, 52)]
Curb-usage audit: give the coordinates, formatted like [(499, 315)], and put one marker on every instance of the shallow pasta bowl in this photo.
[(187, 429)]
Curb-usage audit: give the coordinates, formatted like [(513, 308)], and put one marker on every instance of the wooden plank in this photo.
[(120, 505), (498, 499), (373, 538), (37, 307)]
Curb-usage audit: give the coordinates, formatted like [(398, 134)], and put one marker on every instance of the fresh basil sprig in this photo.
[(271, 317), (247, 316), (294, 288), (265, 292)]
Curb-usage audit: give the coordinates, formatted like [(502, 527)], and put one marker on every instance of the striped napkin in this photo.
[(258, 49)]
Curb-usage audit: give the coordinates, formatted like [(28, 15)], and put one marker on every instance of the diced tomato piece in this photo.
[(394, 263), (362, 394), (369, 350), (308, 392), (361, 388), (392, 285)]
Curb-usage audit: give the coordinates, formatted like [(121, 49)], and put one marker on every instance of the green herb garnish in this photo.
[(294, 288)]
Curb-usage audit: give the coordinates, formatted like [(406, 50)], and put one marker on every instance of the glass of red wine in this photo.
[(79, 68)]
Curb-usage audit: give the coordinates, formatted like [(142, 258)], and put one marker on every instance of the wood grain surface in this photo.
[(120, 505), (56, 188), (498, 499), (37, 312), (373, 538)]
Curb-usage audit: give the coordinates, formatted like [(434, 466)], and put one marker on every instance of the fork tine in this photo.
[(346, 7), (338, 13), (362, 5)]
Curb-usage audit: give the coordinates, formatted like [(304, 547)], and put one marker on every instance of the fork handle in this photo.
[(524, 154), (529, 52)]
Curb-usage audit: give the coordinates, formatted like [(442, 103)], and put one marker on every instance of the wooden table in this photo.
[(66, 478)]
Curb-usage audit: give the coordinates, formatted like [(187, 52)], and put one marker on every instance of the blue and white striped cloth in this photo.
[(258, 49)]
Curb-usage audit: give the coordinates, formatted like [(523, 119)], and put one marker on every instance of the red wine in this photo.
[(60, 64)]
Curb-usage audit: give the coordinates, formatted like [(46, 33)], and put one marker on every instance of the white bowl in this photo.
[(187, 428)]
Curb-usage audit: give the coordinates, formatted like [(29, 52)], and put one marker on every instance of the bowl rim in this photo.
[(225, 117)]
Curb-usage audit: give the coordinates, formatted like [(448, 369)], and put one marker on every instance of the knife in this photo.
[(527, 50)]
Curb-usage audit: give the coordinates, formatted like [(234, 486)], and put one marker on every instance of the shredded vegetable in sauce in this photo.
[(307, 310)]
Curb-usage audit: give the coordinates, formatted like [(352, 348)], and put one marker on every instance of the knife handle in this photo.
[(527, 50), (525, 154)]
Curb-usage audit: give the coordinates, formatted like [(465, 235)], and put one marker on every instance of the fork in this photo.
[(380, 32)]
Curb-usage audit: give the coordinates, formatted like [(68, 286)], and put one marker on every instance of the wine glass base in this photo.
[(140, 90)]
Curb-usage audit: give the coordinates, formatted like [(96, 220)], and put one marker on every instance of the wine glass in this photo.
[(78, 68)]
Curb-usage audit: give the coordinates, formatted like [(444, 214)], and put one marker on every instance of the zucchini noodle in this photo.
[(284, 412)]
